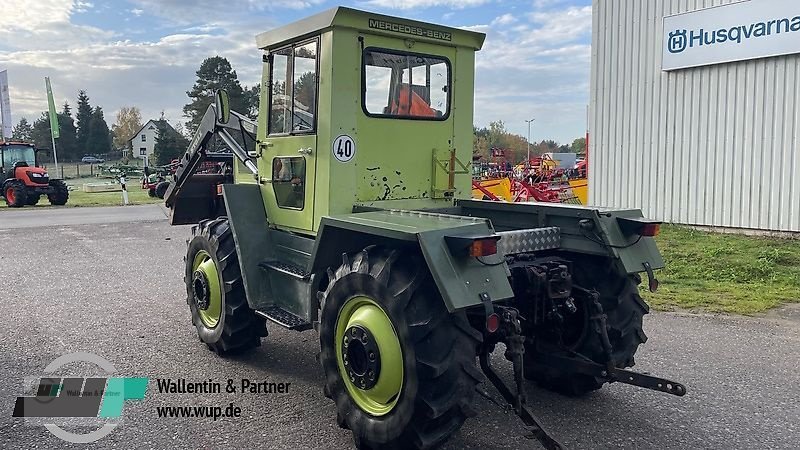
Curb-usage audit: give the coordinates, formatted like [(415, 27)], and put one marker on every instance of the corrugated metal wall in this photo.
[(716, 145)]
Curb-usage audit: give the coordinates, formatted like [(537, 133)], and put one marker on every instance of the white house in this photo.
[(143, 142)]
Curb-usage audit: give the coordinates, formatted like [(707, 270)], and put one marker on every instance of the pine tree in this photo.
[(169, 143), (67, 142), (23, 131), (84, 118), (41, 131), (214, 73), (99, 140)]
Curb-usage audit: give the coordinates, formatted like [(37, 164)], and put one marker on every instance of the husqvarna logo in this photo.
[(678, 41)]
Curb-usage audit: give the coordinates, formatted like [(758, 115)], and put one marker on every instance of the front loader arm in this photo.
[(192, 196)]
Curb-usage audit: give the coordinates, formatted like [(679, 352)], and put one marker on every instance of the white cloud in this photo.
[(505, 19), (188, 11), (417, 4), (536, 66)]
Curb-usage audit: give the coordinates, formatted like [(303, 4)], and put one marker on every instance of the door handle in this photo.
[(305, 151)]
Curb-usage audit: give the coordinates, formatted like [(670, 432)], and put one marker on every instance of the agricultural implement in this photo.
[(22, 181), (350, 214)]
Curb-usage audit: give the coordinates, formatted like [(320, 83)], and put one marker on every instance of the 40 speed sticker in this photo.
[(344, 148)]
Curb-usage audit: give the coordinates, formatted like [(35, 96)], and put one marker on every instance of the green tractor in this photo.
[(346, 209)]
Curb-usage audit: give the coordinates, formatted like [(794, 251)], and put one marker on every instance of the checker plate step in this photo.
[(284, 318), (285, 268)]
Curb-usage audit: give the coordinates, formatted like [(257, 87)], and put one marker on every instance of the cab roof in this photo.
[(371, 23)]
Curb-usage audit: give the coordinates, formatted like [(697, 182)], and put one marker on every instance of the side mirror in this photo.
[(222, 106)]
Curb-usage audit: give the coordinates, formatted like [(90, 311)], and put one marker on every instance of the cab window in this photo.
[(405, 85), (288, 181), (293, 93)]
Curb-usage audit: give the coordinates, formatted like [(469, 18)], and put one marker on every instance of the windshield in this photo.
[(16, 153)]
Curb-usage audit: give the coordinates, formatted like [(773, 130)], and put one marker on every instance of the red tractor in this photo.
[(22, 181)]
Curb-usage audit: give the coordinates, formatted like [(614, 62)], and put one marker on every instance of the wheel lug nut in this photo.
[(371, 375), (364, 339), (371, 356), (354, 332)]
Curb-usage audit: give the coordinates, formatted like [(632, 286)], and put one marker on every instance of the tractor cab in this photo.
[(16, 154), (363, 110)]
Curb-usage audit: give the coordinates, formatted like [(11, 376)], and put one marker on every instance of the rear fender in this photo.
[(461, 280)]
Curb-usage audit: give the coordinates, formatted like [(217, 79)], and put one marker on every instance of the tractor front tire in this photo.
[(60, 194), (624, 309), (399, 366), (161, 189), (16, 194), (215, 291), (151, 192)]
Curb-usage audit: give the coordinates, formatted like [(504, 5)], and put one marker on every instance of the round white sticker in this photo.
[(344, 148)]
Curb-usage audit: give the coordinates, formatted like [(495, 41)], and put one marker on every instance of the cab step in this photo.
[(286, 268), (283, 318)]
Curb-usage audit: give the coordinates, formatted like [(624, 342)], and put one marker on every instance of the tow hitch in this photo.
[(510, 332)]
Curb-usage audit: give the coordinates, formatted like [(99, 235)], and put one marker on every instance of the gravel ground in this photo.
[(115, 289)]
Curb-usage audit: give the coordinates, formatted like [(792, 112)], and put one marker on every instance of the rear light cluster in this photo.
[(474, 246), (650, 229), (483, 247), (639, 226)]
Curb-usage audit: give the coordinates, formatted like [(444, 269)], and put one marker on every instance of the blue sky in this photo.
[(144, 53)]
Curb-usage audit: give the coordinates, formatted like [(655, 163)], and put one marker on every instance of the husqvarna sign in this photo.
[(735, 32)]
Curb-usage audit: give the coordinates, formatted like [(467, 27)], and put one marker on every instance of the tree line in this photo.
[(86, 133), (516, 146)]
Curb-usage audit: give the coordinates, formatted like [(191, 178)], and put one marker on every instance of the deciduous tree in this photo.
[(129, 121)]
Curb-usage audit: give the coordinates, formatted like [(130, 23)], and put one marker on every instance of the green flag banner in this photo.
[(52, 106)]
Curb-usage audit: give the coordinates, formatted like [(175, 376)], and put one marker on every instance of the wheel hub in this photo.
[(369, 355), (361, 357), (202, 294), (206, 289)]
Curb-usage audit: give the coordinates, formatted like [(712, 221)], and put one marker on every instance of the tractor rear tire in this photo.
[(16, 194), (215, 292), (161, 189), (60, 196), (435, 362), (151, 192), (624, 309)]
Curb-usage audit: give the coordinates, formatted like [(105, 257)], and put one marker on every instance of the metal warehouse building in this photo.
[(695, 111)]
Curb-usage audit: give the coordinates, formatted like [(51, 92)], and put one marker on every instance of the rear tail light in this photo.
[(473, 246), (650, 229), (483, 247), (639, 226)]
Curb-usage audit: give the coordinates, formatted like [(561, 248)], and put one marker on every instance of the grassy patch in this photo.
[(725, 273), (136, 195)]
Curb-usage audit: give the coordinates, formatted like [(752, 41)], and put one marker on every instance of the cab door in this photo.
[(288, 155)]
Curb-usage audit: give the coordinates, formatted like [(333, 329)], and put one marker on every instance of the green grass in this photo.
[(77, 198), (725, 273)]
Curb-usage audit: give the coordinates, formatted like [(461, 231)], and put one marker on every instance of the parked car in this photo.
[(92, 160)]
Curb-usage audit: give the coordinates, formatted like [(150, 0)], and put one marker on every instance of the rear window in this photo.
[(405, 85)]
